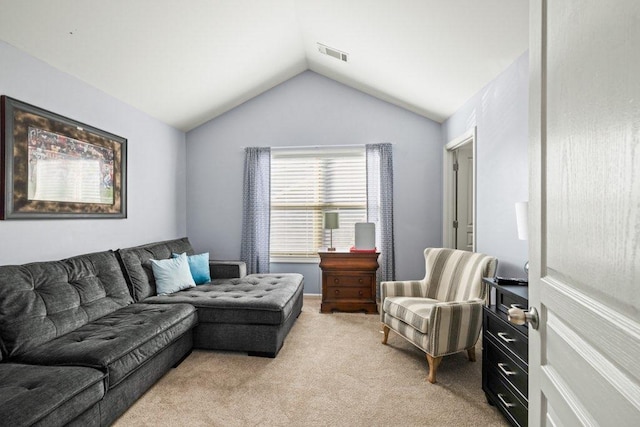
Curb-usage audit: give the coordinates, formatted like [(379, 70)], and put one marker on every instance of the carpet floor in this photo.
[(331, 371)]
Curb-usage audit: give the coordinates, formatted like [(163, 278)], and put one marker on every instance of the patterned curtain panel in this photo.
[(254, 249), (380, 205)]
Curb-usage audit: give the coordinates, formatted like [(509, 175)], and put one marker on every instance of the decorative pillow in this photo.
[(172, 275), (199, 266)]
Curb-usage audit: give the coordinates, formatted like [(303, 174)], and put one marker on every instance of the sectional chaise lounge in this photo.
[(82, 338)]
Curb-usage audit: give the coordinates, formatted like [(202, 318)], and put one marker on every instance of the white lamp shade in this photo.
[(331, 221), (522, 220), (365, 235)]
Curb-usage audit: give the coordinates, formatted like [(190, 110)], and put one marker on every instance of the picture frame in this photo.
[(53, 167)]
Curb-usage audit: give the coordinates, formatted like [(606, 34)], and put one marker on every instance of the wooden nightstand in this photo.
[(505, 362), (348, 281)]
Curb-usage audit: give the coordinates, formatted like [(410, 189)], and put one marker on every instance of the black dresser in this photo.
[(505, 348)]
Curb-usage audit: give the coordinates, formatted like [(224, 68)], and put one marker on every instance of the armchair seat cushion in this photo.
[(119, 343), (411, 310)]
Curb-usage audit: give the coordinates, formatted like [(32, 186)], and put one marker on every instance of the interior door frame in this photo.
[(537, 195), (448, 193)]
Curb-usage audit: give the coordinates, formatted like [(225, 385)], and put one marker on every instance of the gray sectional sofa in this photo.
[(81, 339)]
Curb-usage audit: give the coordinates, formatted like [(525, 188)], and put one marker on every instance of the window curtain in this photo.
[(254, 248), (380, 205)]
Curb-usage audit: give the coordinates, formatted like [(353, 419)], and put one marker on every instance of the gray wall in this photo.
[(500, 112), (165, 194), (312, 110), (156, 168)]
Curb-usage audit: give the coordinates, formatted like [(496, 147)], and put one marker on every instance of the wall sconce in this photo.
[(331, 222)]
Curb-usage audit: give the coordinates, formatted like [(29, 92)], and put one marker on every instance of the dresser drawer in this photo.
[(505, 300), (508, 337), (515, 410), (349, 280), (501, 364), (350, 292)]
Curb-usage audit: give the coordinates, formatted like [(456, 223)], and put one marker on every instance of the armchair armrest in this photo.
[(401, 288), (447, 334), (227, 269)]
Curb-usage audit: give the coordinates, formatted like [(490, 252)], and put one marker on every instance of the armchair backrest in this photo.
[(456, 275)]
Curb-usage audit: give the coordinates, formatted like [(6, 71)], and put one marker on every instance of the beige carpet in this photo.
[(332, 370)]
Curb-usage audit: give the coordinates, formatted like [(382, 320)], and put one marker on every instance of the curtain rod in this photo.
[(309, 147)]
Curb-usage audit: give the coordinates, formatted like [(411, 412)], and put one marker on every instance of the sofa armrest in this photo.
[(227, 269), (447, 333)]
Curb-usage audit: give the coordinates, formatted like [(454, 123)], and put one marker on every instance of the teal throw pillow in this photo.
[(172, 275), (199, 266)]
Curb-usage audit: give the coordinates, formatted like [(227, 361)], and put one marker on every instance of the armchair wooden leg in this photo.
[(385, 330), (471, 352), (433, 367)]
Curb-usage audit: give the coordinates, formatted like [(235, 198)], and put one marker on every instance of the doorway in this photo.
[(459, 195)]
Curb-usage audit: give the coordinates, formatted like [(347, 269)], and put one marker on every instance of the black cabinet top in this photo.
[(516, 290)]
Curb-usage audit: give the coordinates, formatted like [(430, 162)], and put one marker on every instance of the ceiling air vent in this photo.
[(333, 52)]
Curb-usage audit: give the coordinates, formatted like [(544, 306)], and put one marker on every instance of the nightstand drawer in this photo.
[(507, 368), (508, 337), (516, 411), (350, 292), (349, 280)]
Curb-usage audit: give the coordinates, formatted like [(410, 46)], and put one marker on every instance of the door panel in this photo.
[(464, 197), (585, 212)]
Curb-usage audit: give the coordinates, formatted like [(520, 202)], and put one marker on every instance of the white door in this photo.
[(464, 198), (459, 188), (585, 212)]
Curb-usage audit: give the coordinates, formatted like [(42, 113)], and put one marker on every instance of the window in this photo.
[(306, 183)]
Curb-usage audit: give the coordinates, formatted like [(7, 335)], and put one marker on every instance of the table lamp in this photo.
[(331, 222)]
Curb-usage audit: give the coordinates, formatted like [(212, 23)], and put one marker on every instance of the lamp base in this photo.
[(331, 249)]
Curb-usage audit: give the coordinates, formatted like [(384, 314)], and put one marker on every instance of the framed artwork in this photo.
[(53, 167)]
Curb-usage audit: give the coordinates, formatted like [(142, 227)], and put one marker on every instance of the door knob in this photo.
[(518, 316)]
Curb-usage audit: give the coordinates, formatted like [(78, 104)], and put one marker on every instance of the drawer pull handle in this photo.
[(505, 370), (504, 402), (336, 280), (505, 337), (360, 293), (337, 291), (360, 280)]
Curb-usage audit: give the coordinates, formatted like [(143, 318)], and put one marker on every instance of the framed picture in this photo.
[(53, 167)]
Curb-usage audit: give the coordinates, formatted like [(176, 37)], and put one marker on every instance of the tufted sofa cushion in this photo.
[(47, 395), (42, 301), (136, 263), (266, 299), (118, 343)]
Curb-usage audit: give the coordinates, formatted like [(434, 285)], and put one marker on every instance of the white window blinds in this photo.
[(307, 182)]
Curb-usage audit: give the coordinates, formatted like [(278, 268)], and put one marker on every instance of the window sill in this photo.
[(287, 260)]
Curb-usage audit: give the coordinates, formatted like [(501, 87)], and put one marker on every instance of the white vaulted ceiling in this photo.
[(186, 62)]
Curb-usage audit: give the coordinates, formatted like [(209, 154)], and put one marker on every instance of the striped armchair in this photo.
[(442, 313)]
